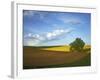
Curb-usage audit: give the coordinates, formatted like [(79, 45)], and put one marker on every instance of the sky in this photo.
[(49, 28)]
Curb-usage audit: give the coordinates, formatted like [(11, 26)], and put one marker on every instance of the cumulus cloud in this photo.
[(35, 39)]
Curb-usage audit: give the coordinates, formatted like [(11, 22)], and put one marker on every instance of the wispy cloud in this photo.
[(73, 20), (32, 13), (35, 39), (57, 33), (28, 13), (33, 36)]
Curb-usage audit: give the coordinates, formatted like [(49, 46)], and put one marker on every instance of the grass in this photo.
[(54, 56), (82, 62)]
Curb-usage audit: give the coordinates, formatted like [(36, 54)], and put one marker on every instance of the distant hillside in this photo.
[(46, 46), (56, 48)]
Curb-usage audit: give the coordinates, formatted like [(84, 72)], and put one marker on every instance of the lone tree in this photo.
[(77, 45)]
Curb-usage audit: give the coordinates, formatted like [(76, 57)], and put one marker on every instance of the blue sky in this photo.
[(46, 28)]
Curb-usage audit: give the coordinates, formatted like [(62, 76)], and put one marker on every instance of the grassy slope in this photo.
[(38, 57)]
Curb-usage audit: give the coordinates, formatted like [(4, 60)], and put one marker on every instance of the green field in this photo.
[(55, 56)]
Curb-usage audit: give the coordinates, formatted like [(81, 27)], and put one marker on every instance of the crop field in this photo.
[(58, 48), (55, 56)]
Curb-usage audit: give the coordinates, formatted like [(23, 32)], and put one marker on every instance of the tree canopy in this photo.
[(77, 45)]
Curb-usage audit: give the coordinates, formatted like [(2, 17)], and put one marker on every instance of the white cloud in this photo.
[(36, 36), (28, 13), (31, 42), (31, 13), (49, 35), (29, 35), (33, 36), (32, 39), (53, 34), (70, 20), (57, 33), (37, 39)]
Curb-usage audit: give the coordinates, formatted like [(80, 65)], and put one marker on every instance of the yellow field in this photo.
[(64, 48), (87, 46), (58, 48)]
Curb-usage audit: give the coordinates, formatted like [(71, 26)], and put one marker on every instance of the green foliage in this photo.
[(77, 45)]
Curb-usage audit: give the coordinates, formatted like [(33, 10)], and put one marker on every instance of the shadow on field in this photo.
[(34, 57)]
